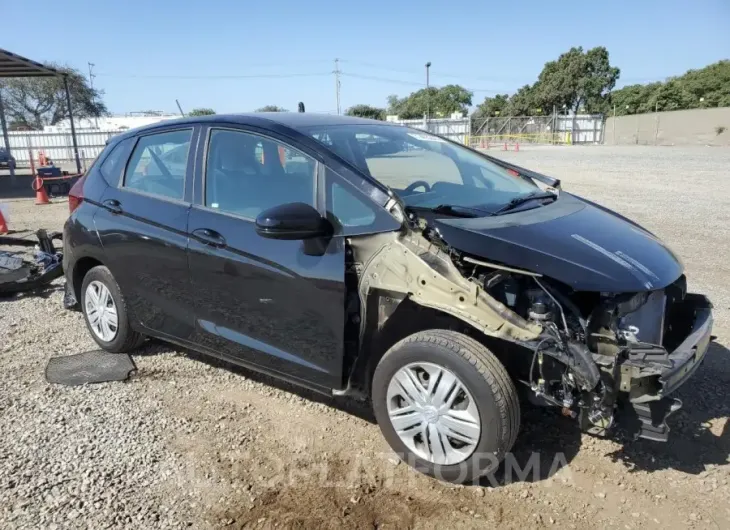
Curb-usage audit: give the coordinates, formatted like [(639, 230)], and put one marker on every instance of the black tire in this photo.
[(486, 380), (126, 339)]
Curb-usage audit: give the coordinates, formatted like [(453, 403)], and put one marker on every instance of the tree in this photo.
[(704, 88), (491, 107), (366, 111), (271, 108), (437, 102), (39, 101), (578, 81), (201, 111), (522, 103)]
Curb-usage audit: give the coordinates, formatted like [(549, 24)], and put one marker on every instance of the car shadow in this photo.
[(549, 441), (354, 407)]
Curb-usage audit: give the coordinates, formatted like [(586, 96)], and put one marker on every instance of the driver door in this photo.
[(259, 301)]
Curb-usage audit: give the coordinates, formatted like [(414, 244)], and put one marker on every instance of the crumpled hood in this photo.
[(574, 241)]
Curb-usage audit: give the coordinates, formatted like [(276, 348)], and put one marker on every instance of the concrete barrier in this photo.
[(679, 127)]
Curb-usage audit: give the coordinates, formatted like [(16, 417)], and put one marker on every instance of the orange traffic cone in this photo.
[(505, 147), (41, 197), (3, 224), (517, 146)]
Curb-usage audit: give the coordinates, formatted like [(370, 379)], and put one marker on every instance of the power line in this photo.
[(337, 72), (413, 83), (213, 77), (439, 73)]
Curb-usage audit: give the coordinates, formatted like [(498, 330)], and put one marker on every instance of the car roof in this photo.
[(298, 121)]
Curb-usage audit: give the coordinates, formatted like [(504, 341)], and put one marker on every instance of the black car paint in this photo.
[(572, 241), (266, 300), (145, 243), (271, 305)]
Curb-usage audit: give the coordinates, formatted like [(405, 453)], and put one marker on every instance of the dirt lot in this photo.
[(188, 443)]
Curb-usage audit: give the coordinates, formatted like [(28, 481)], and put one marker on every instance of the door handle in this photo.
[(113, 205), (210, 237)]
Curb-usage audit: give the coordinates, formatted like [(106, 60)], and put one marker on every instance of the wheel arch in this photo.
[(391, 317), (80, 269)]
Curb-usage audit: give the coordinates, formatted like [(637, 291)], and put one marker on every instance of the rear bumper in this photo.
[(650, 373)]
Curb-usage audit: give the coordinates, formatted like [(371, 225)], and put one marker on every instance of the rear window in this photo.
[(112, 168)]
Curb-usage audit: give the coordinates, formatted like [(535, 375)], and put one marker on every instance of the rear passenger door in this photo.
[(262, 301), (142, 225)]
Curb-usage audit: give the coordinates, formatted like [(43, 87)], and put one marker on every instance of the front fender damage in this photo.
[(422, 272)]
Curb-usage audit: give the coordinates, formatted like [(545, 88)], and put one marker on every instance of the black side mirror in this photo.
[(292, 221)]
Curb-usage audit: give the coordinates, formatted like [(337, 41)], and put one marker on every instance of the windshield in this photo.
[(423, 169)]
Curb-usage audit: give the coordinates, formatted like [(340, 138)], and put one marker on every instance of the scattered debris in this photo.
[(96, 366), (19, 274)]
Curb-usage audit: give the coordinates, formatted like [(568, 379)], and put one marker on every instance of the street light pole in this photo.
[(428, 102)]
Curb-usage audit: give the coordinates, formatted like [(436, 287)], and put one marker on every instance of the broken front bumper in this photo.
[(650, 373)]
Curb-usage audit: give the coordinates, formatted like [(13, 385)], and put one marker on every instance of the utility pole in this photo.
[(91, 84), (428, 95), (614, 124), (337, 85), (4, 126)]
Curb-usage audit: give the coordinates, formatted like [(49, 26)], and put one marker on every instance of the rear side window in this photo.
[(114, 164), (159, 163)]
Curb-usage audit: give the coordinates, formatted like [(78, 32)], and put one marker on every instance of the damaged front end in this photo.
[(600, 357), (618, 355)]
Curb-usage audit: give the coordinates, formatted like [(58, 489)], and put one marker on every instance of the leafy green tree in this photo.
[(522, 102), (492, 106), (37, 101), (577, 80), (366, 111), (271, 108), (703, 88), (438, 102), (202, 111)]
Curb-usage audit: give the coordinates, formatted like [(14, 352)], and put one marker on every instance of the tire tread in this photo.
[(488, 366)]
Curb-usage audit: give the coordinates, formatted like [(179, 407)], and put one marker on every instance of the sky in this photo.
[(236, 56)]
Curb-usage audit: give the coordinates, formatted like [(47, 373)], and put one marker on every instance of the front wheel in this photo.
[(105, 312), (446, 405)]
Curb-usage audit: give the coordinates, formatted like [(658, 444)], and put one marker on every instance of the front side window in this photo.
[(424, 170), (247, 174), (159, 163), (348, 209)]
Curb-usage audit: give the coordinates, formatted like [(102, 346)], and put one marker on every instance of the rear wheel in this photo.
[(105, 312), (446, 405)]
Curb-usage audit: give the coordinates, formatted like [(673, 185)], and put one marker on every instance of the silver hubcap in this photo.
[(433, 413), (101, 311)]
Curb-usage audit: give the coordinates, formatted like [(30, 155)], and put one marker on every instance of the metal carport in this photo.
[(12, 65)]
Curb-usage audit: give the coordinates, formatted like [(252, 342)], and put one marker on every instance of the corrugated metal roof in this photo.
[(12, 65)]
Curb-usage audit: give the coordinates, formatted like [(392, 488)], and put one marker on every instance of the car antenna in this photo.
[(180, 108), (300, 107)]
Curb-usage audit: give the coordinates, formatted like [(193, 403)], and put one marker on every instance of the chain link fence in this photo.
[(546, 130)]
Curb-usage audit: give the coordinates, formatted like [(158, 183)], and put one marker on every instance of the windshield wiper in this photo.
[(452, 209), (456, 210), (514, 203)]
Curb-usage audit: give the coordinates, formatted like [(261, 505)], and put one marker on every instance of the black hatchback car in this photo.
[(363, 258)]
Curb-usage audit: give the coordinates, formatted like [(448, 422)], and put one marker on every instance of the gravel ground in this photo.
[(187, 442)]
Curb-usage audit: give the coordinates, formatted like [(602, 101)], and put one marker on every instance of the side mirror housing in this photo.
[(292, 221)]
